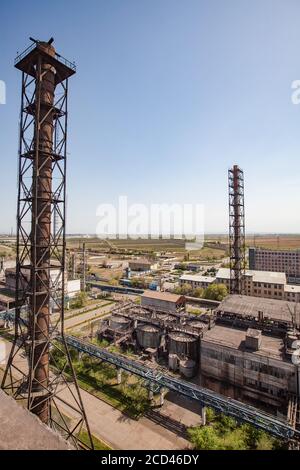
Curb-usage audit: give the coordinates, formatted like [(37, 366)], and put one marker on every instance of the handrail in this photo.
[(58, 57)]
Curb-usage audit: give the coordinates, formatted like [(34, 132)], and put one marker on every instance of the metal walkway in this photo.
[(238, 410)]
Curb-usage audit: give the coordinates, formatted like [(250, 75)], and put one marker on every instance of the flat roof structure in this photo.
[(21, 430), (292, 288), (268, 277), (235, 339), (197, 278), (247, 305)]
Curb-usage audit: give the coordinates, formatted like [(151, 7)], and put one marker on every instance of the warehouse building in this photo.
[(273, 316), (163, 301), (141, 265), (287, 261)]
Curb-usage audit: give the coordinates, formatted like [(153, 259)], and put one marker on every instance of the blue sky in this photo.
[(168, 94)]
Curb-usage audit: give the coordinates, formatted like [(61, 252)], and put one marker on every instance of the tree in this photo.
[(138, 282), (186, 289), (215, 292), (198, 292), (225, 433), (204, 438), (80, 300), (180, 266)]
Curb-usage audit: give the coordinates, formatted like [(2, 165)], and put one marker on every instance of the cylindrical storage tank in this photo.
[(119, 323), (187, 368), (148, 336), (184, 345), (173, 362)]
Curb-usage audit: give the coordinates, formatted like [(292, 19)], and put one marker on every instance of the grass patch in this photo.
[(98, 444)]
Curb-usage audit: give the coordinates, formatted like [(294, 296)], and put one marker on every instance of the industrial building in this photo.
[(268, 284), (72, 287), (248, 365), (141, 265), (287, 261), (249, 353), (196, 280), (194, 267), (163, 301), (247, 348)]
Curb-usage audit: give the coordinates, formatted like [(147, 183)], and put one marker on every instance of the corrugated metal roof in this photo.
[(248, 305)]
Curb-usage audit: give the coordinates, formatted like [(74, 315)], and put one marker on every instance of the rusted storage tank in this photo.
[(187, 368), (184, 345), (119, 323), (148, 336)]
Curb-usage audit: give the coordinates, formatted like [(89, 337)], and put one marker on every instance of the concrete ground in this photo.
[(21, 430)]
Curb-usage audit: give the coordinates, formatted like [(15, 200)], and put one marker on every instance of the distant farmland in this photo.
[(271, 241)]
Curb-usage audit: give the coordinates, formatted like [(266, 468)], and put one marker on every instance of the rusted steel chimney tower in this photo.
[(237, 244), (40, 267)]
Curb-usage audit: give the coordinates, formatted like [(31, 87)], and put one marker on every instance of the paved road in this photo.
[(115, 428), (85, 317)]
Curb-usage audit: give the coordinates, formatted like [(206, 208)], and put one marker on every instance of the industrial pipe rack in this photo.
[(240, 411)]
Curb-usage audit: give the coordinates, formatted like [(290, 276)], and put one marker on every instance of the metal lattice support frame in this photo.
[(45, 379), (237, 245)]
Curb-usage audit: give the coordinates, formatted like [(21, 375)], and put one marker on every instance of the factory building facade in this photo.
[(232, 366), (266, 284), (286, 261), (247, 354)]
